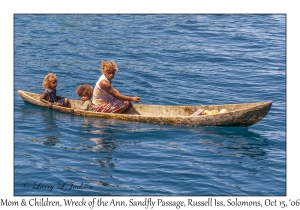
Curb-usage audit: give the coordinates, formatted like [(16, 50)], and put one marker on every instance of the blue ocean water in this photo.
[(185, 59)]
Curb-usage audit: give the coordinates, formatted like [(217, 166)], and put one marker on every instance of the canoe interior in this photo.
[(167, 111)]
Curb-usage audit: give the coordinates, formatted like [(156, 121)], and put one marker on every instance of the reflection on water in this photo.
[(237, 141), (51, 141), (105, 162), (101, 132), (98, 183), (52, 133), (104, 141)]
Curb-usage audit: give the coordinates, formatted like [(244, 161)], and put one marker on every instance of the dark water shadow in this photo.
[(46, 116), (233, 132), (239, 141), (52, 136)]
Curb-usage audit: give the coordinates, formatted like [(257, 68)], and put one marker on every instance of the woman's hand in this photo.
[(105, 85), (135, 99)]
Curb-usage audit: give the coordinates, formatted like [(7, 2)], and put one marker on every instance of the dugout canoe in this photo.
[(244, 114)]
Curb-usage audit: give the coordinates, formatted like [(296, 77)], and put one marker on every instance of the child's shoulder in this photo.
[(87, 102), (49, 90)]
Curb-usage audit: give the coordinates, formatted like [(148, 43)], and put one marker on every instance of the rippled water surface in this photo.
[(164, 59)]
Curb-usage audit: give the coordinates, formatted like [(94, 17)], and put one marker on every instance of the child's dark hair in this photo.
[(84, 90)]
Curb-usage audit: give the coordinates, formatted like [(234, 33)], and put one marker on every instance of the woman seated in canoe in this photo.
[(105, 97), (49, 96)]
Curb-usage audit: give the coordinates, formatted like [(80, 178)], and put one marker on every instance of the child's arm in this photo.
[(43, 99), (85, 106)]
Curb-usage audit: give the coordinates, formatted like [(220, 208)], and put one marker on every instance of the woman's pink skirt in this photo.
[(113, 105)]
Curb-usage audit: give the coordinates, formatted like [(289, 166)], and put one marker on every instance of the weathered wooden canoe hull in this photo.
[(239, 114)]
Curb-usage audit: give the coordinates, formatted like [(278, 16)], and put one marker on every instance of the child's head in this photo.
[(108, 65), (50, 81), (85, 92)]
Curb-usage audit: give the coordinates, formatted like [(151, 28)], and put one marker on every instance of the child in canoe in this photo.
[(49, 97), (105, 97), (85, 92)]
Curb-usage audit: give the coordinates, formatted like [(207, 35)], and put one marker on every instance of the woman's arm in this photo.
[(105, 85)]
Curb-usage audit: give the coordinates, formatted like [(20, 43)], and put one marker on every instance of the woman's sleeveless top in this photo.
[(100, 96)]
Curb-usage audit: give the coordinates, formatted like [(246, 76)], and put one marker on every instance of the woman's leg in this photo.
[(126, 103), (112, 106)]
